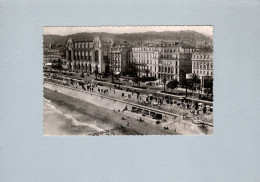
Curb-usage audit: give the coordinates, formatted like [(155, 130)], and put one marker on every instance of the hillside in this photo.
[(189, 37)]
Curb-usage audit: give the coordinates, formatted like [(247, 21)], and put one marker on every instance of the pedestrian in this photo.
[(114, 91), (127, 125)]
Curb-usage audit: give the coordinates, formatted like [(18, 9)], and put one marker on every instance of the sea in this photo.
[(58, 120)]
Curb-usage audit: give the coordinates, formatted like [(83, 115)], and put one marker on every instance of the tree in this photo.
[(187, 84), (164, 80), (96, 73), (57, 64), (147, 71), (172, 84), (131, 70), (82, 74), (195, 80), (209, 87)]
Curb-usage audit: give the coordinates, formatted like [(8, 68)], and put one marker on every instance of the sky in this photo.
[(206, 30)]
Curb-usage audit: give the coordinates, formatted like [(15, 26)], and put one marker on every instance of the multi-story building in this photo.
[(202, 64), (92, 55), (145, 59), (169, 59), (51, 53), (119, 58), (175, 60)]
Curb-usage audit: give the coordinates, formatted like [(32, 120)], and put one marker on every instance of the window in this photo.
[(105, 56), (96, 55)]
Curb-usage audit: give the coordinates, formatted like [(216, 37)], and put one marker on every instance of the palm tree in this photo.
[(195, 79), (96, 73), (164, 80), (187, 84), (112, 76)]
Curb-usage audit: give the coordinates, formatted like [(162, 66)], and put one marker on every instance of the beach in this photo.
[(64, 115)]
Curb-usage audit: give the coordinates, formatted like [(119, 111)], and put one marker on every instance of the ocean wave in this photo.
[(71, 118)]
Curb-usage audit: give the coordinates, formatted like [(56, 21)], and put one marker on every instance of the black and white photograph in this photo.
[(128, 80), (127, 91)]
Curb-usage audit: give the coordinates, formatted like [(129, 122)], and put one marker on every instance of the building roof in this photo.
[(204, 50)]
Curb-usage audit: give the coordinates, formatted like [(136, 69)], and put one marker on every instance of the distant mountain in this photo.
[(190, 37)]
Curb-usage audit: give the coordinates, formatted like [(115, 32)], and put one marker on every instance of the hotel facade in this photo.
[(89, 56), (202, 64), (53, 52), (119, 58), (169, 59)]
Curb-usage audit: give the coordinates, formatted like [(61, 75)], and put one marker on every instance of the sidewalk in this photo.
[(197, 100)]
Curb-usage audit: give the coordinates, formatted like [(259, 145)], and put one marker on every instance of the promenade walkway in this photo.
[(159, 103)]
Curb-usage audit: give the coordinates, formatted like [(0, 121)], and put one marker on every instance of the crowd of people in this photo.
[(181, 107)]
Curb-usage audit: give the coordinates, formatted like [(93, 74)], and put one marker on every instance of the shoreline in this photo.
[(107, 119)]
